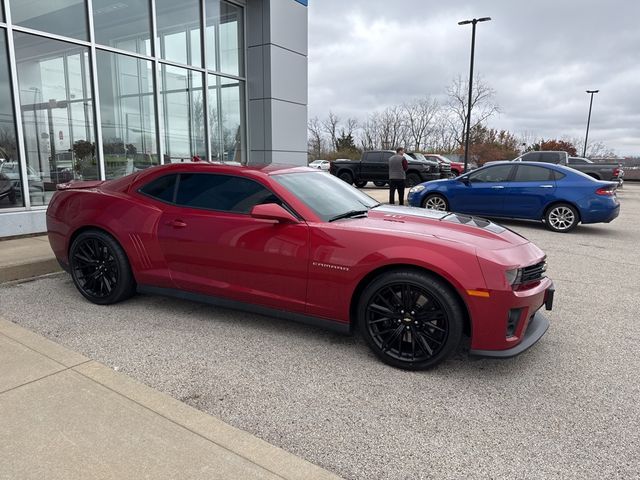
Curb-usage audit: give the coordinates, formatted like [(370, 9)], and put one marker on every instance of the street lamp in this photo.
[(473, 47), (586, 137)]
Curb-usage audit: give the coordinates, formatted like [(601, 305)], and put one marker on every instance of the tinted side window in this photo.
[(162, 188), (529, 173), (551, 157), (498, 173), (373, 157), (577, 161), (222, 192)]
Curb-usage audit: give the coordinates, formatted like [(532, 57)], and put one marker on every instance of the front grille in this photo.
[(534, 273)]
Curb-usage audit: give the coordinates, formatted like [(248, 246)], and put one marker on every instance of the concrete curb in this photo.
[(241, 447)]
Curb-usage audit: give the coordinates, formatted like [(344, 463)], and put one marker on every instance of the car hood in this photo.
[(411, 221)]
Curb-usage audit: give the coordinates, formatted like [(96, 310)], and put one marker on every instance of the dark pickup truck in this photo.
[(599, 171), (374, 167)]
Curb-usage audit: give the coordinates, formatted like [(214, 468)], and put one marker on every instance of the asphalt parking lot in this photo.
[(567, 408)]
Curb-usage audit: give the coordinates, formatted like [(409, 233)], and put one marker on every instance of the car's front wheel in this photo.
[(100, 268), (413, 179), (561, 217), (360, 183), (410, 319), (435, 201)]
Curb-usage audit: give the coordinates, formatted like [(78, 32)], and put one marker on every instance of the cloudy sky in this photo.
[(539, 56)]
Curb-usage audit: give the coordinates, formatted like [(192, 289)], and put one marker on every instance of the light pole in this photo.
[(586, 137), (473, 47)]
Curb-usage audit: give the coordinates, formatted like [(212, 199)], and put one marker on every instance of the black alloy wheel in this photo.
[(410, 319), (100, 268), (346, 177)]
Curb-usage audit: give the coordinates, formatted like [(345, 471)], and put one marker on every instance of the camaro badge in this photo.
[(328, 265)]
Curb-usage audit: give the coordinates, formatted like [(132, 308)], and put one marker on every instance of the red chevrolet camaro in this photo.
[(296, 243)]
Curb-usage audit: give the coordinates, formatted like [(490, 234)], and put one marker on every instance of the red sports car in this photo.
[(296, 243)]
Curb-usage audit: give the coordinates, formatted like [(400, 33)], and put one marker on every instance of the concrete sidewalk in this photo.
[(26, 257), (64, 416)]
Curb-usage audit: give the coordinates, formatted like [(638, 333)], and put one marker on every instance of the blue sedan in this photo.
[(559, 196)]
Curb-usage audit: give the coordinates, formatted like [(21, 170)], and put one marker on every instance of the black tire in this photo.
[(346, 177), (360, 183), (411, 320), (379, 184), (413, 179), (100, 268), (561, 218), (435, 201)]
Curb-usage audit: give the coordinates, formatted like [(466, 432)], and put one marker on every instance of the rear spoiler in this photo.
[(79, 184)]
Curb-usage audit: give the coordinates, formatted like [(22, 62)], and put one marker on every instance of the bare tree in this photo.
[(419, 118), (482, 105), (370, 132), (442, 138), (315, 138), (330, 126), (393, 127)]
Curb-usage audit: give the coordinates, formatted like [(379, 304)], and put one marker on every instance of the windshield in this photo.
[(328, 196), (418, 156)]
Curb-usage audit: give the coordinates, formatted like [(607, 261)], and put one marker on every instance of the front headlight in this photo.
[(417, 188), (513, 276)]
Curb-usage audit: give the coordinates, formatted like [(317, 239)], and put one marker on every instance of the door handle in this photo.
[(497, 187), (546, 186), (176, 224)]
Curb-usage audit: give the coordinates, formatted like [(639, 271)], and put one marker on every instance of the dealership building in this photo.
[(98, 89)]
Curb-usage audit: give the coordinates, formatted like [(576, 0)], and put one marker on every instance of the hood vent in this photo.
[(473, 222)]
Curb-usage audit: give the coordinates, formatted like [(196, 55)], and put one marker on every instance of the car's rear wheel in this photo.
[(434, 201), (380, 184), (561, 217), (413, 179), (411, 320), (360, 183), (346, 177), (100, 268)]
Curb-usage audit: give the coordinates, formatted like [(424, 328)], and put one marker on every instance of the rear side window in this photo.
[(529, 173), (224, 193), (557, 175), (162, 188), (373, 157)]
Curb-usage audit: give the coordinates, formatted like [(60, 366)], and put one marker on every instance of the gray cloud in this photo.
[(540, 57)]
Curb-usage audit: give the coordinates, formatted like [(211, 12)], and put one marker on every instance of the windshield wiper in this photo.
[(349, 214)]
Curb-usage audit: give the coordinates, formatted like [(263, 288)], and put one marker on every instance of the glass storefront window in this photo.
[(182, 114), (124, 25), (62, 17), (127, 110), (226, 116), (179, 31), (10, 178), (57, 113), (224, 37)]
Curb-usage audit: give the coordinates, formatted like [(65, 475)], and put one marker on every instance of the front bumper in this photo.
[(535, 330)]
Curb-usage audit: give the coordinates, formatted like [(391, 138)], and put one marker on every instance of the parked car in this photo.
[(373, 166), (11, 170), (7, 189), (320, 164), (559, 196), (457, 168), (599, 171), (301, 245), (445, 168)]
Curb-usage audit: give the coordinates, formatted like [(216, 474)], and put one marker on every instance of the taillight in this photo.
[(606, 191), (616, 172)]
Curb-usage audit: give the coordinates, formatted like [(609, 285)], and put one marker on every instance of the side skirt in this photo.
[(343, 328)]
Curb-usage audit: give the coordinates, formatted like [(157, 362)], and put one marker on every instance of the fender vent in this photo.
[(141, 251)]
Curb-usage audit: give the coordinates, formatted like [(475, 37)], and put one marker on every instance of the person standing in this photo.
[(397, 175)]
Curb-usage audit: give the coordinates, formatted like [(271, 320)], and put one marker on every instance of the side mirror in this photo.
[(464, 180), (272, 211)]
